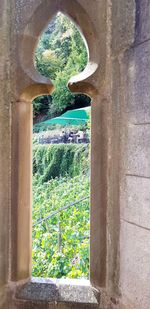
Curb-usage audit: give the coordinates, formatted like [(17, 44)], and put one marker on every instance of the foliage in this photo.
[(61, 254), (40, 127), (60, 54), (50, 161), (41, 105), (62, 97), (61, 243)]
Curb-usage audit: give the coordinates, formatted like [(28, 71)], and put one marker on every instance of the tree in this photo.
[(41, 105), (60, 54)]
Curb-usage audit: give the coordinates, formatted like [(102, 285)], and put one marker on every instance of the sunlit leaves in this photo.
[(60, 54), (73, 260)]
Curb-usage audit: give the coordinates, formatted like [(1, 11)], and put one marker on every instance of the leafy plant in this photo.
[(65, 255), (61, 242)]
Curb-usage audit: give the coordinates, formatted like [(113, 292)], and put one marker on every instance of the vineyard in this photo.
[(61, 211)]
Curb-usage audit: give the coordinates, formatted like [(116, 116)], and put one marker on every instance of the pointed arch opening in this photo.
[(35, 85), (61, 157)]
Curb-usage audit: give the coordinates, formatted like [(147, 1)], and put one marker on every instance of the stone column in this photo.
[(21, 190), (98, 194)]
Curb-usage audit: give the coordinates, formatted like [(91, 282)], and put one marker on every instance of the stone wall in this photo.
[(117, 33), (135, 182)]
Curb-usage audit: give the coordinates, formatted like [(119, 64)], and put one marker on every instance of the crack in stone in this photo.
[(138, 225), (138, 176)]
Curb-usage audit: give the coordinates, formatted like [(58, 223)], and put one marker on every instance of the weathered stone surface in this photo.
[(113, 207), (135, 180), (123, 24), (21, 190), (136, 201), (137, 154), (138, 84), (5, 141), (135, 266), (67, 291), (42, 305), (75, 306), (39, 291), (27, 304), (142, 20)]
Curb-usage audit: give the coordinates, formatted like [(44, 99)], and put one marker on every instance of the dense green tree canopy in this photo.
[(60, 54)]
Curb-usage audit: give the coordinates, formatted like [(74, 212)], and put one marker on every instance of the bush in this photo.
[(51, 161)]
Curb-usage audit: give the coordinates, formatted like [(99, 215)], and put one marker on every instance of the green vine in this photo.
[(51, 161)]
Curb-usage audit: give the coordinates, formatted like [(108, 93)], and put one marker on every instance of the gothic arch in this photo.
[(84, 81)]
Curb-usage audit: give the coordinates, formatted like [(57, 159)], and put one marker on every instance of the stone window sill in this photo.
[(56, 291)]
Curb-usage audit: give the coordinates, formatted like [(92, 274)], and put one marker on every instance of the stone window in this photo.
[(31, 85)]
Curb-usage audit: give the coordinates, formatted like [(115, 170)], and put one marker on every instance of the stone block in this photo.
[(123, 24), (137, 154), (138, 84), (135, 266), (59, 291), (136, 201)]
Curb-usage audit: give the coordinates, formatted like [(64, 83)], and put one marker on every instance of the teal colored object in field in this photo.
[(72, 117)]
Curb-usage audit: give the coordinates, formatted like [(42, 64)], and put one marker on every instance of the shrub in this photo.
[(51, 161)]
